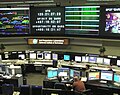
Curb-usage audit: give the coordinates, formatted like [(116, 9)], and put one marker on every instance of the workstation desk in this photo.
[(96, 87)]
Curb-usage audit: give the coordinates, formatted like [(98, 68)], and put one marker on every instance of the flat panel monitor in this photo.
[(85, 58), (39, 55), (92, 59), (110, 21), (63, 72), (78, 58), (14, 21), (77, 73), (55, 56), (0, 57), (21, 56), (106, 75), (47, 56), (71, 73), (118, 62), (51, 74), (106, 61), (66, 57), (99, 60), (32, 55), (116, 78), (47, 20), (93, 75), (82, 20)]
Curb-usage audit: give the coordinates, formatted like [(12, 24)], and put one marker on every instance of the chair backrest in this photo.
[(36, 90), (24, 89), (7, 89), (60, 86)]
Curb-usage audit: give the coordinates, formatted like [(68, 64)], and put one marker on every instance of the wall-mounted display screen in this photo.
[(47, 20), (110, 21), (14, 21), (82, 20)]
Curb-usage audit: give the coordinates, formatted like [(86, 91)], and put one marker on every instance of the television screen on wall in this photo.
[(110, 21), (14, 21), (47, 20), (82, 20)]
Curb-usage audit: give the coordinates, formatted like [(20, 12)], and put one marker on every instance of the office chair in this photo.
[(36, 90), (24, 89), (7, 89), (60, 86)]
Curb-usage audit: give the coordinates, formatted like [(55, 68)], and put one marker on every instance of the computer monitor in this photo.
[(106, 75), (66, 57), (21, 56), (71, 73), (51, 73), (92, 59), (99, 60), (63, 72), (39, 55), (116, 78), (47, 56), (85, 58), (106, 61), (78, 58), (32, 55), (77, 73), (55, 56), (118, 62), (94, 75)]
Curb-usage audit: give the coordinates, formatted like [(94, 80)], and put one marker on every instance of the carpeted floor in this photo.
[(35, 79)]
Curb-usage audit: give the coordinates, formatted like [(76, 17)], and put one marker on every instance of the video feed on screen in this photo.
[(112, 22), (14, 21)]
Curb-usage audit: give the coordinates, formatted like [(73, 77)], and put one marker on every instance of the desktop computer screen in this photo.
[(55, 56), (106, 75), (118, 62), (22, 56), (51, 74), (85, 58), (78, 58), (71, 73), (92, 59), (39, 55), (116, 78), (76, 73), (93, 75), (99, 60), (47, 56), (63, 72), (106, 61), (66, 57), (32, 55)]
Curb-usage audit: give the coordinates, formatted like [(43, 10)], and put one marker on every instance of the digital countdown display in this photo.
[(47, 20)]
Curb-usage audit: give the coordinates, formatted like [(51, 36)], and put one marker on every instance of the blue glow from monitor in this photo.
[(71, 73), (117, 78), (107, 75), (67, 57), (92, 59), (51, 73)]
